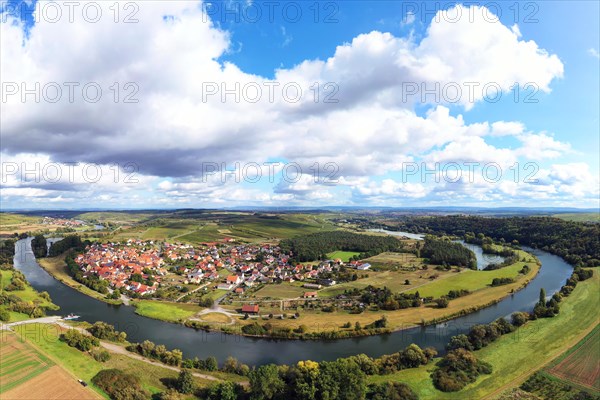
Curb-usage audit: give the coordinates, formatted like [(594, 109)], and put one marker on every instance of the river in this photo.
[(483, 259), (254, 351)]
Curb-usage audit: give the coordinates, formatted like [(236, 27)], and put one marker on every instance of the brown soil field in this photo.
[(55, 383), (19, 363), (582, 366)]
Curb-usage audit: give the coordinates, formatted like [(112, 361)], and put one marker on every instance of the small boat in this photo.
[(70, 316)]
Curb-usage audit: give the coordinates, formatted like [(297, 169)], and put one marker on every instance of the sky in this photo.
[(172, 104)]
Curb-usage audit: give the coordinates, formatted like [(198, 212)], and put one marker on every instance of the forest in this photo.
[(315, 246), (576, 242), (445, 252)]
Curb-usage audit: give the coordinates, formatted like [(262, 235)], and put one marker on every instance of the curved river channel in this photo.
[(254, 351)]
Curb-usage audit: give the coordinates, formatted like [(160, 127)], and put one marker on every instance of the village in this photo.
[(142, 267)]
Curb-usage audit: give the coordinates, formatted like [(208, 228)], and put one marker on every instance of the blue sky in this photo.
[(368, 49)]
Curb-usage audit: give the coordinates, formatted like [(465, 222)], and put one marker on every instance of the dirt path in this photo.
[(522, 377), (115, 348)]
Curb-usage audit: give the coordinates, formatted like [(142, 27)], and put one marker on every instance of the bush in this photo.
[(457, 369), (519, 318), (442, 302), (78, 340), (120, 385), (101, 355), (391, 391), (4, 315)]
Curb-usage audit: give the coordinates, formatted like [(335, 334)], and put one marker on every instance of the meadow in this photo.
[(342, 255), (165, 311)]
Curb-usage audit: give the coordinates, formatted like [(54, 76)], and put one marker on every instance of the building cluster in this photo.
[(117, 263), (243, 265), (62, 222)]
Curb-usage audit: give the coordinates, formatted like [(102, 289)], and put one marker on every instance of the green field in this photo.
[(471, 280), (165, 311), (517, 355), (342, 255)]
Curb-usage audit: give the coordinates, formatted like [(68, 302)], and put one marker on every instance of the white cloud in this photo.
[(173, 129)]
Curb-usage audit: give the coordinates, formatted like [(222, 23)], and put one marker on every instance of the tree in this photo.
[(459, 342), (265, 382), (412, 356), (185, 382), (542, 300), (4, 315), (519, 318), (210, 364), (222, 391)]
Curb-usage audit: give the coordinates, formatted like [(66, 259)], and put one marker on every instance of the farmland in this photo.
[(580, 365), (19, 362)]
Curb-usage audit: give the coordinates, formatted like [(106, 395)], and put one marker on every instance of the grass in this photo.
[(85, 367), (281, 291), (342, 255), (517, 355), (472, 280), (165, 311), (56, 267)]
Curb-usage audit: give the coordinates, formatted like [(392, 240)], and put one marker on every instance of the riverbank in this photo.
[(57, 267), (517, 355)]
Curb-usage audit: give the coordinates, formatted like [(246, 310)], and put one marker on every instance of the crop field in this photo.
[(581, 364), (19, 362), (55, 383), (342, 255)]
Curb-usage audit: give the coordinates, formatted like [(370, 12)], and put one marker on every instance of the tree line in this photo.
[(315, 246), (576, 242)]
